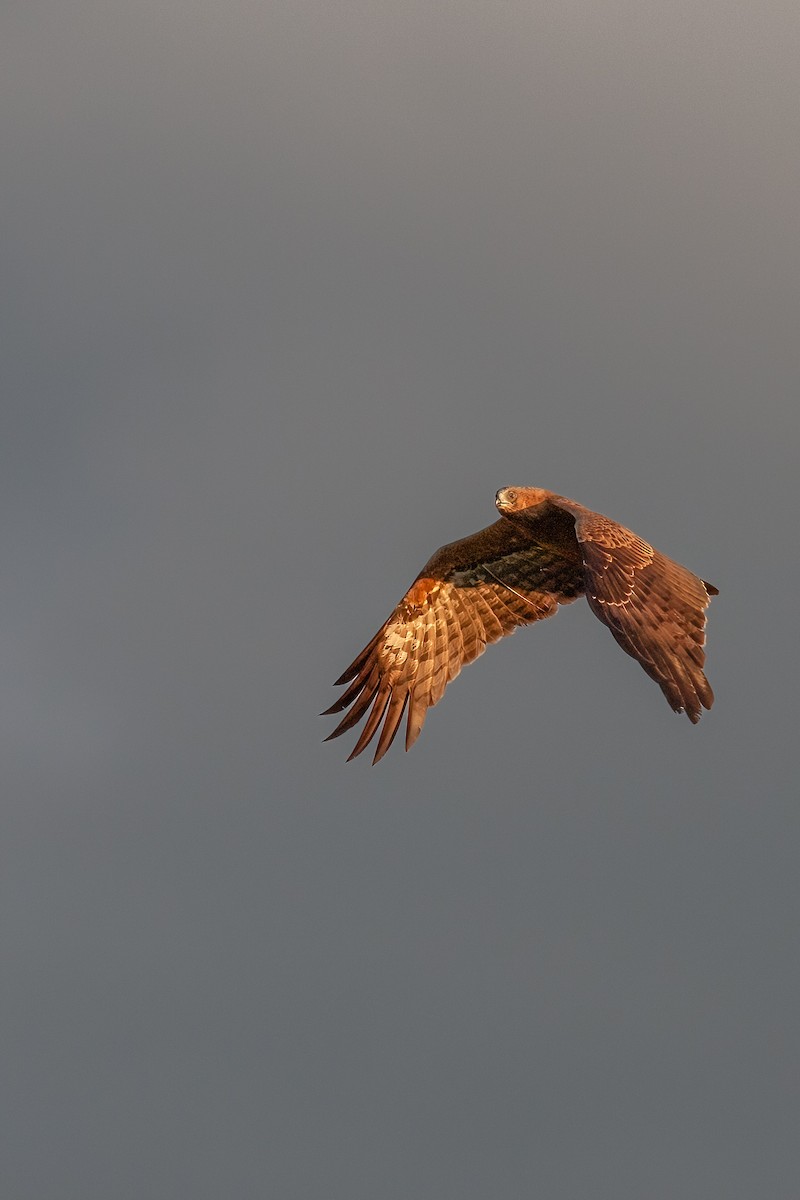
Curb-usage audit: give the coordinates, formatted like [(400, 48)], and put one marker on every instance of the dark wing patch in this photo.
[(654, 607), (436, 629)]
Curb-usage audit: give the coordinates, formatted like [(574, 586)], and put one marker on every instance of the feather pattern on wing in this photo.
[(654, 607), (470, 594)]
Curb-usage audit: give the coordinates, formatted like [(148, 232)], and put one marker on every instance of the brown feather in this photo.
[(417, 711), (391, 723), (373, 721)]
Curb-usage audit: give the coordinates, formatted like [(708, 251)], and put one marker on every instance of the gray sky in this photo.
[(289, 291)]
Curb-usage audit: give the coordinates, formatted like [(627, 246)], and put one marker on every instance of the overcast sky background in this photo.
[(289, 290)]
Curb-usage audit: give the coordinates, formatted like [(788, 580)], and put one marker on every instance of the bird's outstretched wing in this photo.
[(654, 607), (470, 594)]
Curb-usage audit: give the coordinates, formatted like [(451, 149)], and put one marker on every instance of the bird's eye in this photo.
[(511, 496)]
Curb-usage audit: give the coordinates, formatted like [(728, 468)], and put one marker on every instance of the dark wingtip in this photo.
[(712, 591)]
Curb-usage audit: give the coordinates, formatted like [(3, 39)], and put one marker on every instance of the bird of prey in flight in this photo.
[(545, 550)]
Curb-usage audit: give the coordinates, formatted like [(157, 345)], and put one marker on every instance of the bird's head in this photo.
[(515, 499)]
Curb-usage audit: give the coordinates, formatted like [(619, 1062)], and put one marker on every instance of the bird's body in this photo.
[(545, 550)]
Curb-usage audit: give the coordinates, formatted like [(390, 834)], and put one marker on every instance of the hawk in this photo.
[(545, 550)]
